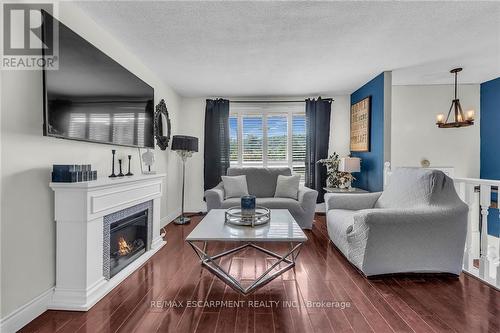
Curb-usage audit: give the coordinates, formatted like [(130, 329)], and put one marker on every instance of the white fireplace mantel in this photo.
[(79, 213)]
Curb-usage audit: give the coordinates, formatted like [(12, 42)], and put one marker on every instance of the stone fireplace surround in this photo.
[(80, 209)]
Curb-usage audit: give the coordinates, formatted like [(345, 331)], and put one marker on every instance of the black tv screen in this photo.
[(91, 97)]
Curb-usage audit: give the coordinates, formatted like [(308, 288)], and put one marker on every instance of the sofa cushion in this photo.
[(287, 187), (339, 223), (235, 187), (283, 203), (409, 187), (261, 181)]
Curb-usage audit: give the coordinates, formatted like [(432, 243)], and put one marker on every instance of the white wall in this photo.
[(415, 135), (340, 126), (192, 118), (27, 206)]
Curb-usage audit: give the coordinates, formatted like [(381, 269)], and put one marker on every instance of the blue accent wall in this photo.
[(493, 222), (490, 129), (490, 137), (371, 177)]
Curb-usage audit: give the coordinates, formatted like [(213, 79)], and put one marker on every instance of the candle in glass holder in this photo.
[(470, 115), (248, 207), (440, 118)]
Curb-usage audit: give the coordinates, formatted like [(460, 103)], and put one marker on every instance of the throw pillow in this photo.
[(235, 186), (287, 187)]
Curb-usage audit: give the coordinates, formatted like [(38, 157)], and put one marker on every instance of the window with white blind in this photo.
[(252, 141), (268, 134)]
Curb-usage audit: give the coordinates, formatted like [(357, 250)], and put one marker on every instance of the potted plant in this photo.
[(336, 178), (332, 165), (345, 179)]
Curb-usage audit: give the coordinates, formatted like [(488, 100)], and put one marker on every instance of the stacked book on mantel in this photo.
[(73, 173)]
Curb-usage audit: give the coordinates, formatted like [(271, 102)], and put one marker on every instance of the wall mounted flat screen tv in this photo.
[(93, 98)]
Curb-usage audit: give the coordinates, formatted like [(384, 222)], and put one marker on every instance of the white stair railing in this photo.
[(482, 251)]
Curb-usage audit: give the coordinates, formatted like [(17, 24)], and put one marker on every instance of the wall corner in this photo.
[(387, 114)]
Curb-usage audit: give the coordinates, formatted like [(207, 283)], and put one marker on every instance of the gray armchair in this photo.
[(262, 183), (418, 224)]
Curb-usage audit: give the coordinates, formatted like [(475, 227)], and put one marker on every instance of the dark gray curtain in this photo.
[(317, 137), (216, 141)]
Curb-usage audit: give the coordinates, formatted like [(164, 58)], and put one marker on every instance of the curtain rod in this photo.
[(274, 101)]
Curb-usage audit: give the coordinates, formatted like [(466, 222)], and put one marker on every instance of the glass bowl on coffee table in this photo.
[(238, 216)]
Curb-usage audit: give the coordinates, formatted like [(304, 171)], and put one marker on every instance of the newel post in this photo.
[(467, 193), (498, 255), (485, 201)]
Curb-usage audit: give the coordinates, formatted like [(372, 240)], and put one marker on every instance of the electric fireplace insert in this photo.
[(128, 240)]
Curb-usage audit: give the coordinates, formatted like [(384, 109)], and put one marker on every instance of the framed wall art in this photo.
[(360, 126)]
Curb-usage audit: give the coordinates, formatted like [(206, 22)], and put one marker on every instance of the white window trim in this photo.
[(265, 110)]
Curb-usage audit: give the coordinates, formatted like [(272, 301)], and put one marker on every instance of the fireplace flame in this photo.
[(124, 248)]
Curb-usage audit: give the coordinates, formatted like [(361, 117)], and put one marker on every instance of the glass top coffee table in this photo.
[(281, 228)]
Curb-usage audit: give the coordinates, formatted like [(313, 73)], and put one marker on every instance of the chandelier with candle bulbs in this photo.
[(458, 118)]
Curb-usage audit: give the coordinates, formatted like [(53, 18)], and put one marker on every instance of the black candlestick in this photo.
[(120, 163), (113, 151), (129, 173)]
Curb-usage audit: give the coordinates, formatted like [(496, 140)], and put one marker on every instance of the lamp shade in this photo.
[(350, 164), (185, 143)]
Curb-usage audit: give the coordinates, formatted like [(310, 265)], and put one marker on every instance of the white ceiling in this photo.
[(304, 48)]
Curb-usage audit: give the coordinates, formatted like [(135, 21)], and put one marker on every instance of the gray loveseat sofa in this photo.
[(417, 224), (262, 183)]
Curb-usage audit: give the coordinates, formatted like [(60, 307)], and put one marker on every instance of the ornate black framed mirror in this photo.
[(162, 125)]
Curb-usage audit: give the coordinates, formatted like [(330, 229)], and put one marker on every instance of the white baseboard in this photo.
[(320, 208), (196, 210), (169, 218), (20, 317)]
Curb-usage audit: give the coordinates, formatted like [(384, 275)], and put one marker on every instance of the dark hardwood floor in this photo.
[(390, 304)]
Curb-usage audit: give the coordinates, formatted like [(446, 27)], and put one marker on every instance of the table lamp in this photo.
[(350, 164)]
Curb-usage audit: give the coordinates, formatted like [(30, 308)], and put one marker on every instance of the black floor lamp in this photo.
[(185, 146)]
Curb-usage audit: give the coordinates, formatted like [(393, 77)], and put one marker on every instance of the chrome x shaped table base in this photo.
[(209, 263)]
